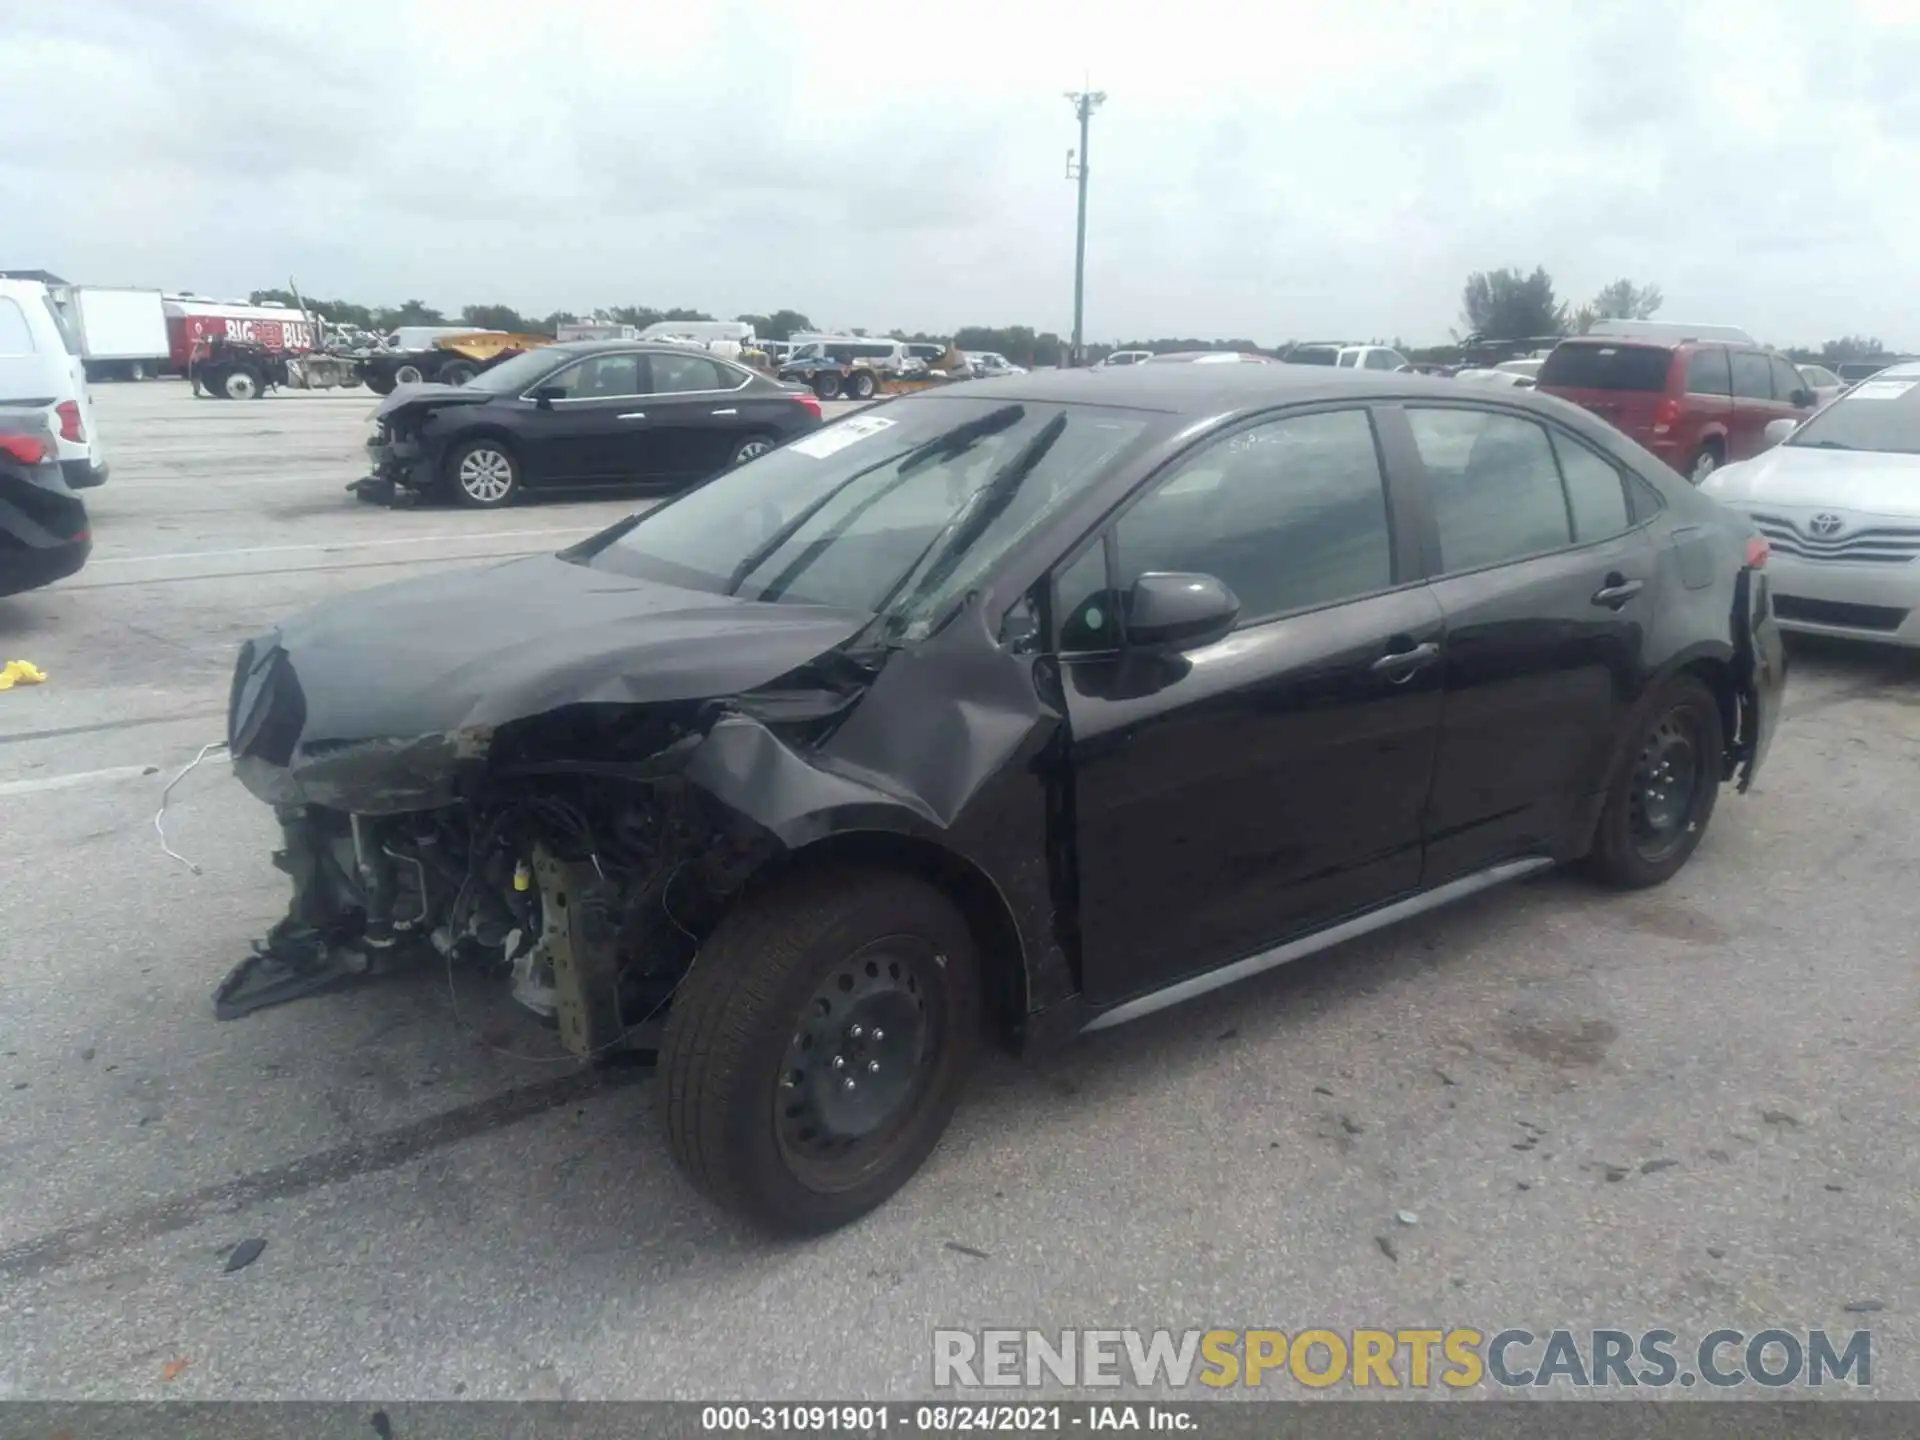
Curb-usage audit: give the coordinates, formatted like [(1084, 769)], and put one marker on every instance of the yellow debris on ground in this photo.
[(21, 672)]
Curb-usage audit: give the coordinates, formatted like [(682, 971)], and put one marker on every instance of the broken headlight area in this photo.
[(587, 893)]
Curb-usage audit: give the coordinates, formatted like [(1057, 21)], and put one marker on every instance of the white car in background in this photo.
[(1499, 375), (1370, 357), (42, 368), (985, 364), (1838, 500), (1823, 382)]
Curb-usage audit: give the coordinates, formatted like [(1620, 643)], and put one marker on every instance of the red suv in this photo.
[(1697, 404)]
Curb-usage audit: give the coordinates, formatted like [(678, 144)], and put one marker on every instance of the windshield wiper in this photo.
[(946, 444), (972, 519), (1826, 445)]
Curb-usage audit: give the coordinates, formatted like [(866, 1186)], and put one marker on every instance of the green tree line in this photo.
[(1496, 306)]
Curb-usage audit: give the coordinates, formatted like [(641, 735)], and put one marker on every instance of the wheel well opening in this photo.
[(995, 936), (1717, 676)]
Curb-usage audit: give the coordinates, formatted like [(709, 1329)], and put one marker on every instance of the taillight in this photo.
[(70, 426), (1757, 551), (810, 403), (1666, 413), (27, 449)]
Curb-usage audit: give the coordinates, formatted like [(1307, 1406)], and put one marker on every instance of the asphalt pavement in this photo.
[(1691, 1107)]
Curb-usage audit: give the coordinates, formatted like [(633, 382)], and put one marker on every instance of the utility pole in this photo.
[(1085, 102)]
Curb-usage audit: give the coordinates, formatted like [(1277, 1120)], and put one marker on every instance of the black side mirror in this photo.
[(1802, 398), (1179, 611), (545, 395)]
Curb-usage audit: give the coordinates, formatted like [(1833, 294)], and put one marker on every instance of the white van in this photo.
[(41, 368), (726, 338)]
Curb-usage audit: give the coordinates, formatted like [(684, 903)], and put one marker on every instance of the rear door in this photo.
[(1226, 799), (697, 411), (1547, 585)]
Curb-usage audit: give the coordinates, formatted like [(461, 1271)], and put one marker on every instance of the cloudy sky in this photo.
[(1278, 170)]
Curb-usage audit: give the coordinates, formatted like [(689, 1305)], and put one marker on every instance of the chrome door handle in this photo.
[(1617, 594), (726, 412), (1402, 663), (634, 415)]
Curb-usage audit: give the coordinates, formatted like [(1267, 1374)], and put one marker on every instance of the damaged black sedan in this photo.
[(1027, 708)]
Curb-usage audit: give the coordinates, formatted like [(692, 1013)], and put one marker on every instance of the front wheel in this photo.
[(483, 474), (1704, 464), (1663, 796), (826, 385), (379, 382), (861, 385), (408, 375), (242, 383), (458, 373), (818, 1046)]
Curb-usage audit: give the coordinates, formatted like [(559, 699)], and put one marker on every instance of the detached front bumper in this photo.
[(399, 472)]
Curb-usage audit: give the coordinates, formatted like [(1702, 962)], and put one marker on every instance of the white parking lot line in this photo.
[(330, 546), (81, 777)]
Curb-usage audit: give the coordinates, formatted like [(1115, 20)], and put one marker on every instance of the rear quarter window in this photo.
[(1607, 367)]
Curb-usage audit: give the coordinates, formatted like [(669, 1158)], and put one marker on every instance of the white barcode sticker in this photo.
[(1881, 389), (837, 437)]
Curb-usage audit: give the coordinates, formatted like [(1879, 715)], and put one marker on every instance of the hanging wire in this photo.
[(160, 815)]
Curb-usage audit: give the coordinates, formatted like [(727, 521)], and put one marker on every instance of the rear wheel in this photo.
[(826, 385), (458, 373), (213, 380), (750, 448), (1704, 463), (379, 382), (816, 1050), (1662, 799), (483, 474), (861, 385)]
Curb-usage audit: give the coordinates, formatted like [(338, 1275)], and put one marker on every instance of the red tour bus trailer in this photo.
[(194, 320)]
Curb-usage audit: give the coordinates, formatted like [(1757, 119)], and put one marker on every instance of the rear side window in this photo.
[(1348, 358), (15, 338), (1707, 373), (1596, 497), (1752, 375), (1495, 486), (1607, 367)]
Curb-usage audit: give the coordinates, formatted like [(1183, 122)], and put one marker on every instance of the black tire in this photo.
[(1632, 848), (861, 385), (483, 474), (458, 373), (379, 382), (1707, 459), (242, 382), (737, 1091), (826, 385), (751, 447), (213, 380)]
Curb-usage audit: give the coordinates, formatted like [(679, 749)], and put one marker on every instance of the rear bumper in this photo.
[(28, 568), (1876, 603), (83, 474)]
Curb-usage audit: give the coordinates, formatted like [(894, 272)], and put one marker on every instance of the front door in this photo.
[(594, 430), (1548, 588), (1226, 799)]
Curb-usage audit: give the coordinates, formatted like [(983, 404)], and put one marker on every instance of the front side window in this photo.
[(1381, 360), (1787, 381), (1752, 375), (1495, 487), (599, 377), (898, 511), (1289, 515)]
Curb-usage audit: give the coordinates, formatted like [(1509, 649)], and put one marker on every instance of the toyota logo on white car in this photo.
[(1825, 523)]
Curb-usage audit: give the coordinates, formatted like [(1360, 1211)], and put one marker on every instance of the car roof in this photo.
[(599, 347), (1205, 391), (1904, 370)]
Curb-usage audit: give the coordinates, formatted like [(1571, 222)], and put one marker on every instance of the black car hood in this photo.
[(430, 397), (366, 701)]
